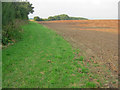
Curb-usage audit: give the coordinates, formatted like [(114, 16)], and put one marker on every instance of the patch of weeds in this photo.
[(114, 82), (90, 85), (60, 47), (88, 64), (77, 51), (80, 59), (84, 70), (58, 56), (98, 80), (81, 62), (90, 75), (72, 86), (96, 65), (64, 50), (91, 60), (52, 81), (75, 63), (101, 84)]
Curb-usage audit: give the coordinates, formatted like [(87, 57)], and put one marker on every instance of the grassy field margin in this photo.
[(43, 59)]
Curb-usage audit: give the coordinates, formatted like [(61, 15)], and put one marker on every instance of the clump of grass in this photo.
[(114, 82), (90, 84), (84, 70), (80, 59)]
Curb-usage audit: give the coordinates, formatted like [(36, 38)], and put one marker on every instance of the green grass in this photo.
[(43, 59)]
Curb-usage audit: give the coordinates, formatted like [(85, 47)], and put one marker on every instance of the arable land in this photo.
[(96, 39)]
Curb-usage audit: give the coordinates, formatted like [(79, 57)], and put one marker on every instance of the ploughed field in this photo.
[(97, 39)]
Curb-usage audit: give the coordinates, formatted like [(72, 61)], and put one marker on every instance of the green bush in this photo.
[(12, 32), (14, 14)]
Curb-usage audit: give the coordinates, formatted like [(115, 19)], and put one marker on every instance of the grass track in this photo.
[(43, 59)]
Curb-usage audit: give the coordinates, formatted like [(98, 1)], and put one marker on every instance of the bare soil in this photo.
[(96, 39)]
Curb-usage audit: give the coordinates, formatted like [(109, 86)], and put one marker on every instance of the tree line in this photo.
[(59, 17), (14, 14)]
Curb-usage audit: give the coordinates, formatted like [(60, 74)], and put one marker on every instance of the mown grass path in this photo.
[(43, 59)]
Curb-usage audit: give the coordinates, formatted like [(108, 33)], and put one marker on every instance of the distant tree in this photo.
[(51, 18), (45, 19), (57, 17), (64, 17), (37, 18), (41, 19), (77, 18)]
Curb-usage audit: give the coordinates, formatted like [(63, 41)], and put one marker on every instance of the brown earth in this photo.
[(96, 39)]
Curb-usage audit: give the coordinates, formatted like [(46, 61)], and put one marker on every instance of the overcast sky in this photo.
[(92, 9)]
